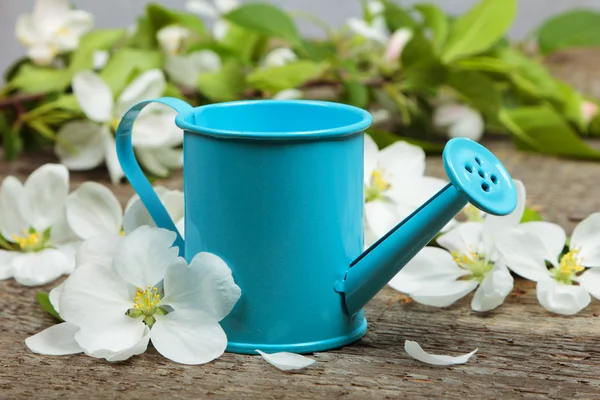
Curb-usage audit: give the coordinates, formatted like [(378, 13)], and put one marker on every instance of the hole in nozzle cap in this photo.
[(485, 187), (478, 160), (494, 179), (469, 168)]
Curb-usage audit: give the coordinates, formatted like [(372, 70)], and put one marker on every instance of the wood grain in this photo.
[(524, 352)]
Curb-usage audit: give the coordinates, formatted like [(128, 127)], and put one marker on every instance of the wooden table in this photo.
[(524, 351)]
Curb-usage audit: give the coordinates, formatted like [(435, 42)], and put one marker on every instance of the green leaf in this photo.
[(125, 63), (477, 90), (12, 144), (421, 71), (33, 79), (160, 16), (287, 76), (356, 94), (225, 84), (435, 19), (417, 50), (385, 138), (144, 36), (44, 299), (267, 20), (576, 28), (530, 215), (396, 17), (83, 57), (242, 42), (486, 64), (542, 129), (479, 29)]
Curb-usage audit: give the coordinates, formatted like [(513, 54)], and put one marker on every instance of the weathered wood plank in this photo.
[(524, 352)]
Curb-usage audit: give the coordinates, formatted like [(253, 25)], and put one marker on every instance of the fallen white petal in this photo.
[(415, 351), (57, 340), (287, 361), (562, 299)]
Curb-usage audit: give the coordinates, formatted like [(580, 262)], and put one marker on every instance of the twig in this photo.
[(19, 99)]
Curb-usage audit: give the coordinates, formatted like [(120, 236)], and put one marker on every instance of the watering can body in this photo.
[(275, 188)]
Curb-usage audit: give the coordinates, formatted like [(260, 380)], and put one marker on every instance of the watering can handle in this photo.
[(134, 173)]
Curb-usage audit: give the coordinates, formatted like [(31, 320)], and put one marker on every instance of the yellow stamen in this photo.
[(27, 240), (115, 124), (379, 181), (570, 263)]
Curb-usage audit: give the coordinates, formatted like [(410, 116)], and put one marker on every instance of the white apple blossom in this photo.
[(138, 290), (566, 287), (137, 215), (279, 56), (396, 44), (459, 120), (289, 94), (85, 144), (184, 69), (376, 28), (589, 110), (213, 10), (51, 29), (395, 185), (38, 245), (470, 261)]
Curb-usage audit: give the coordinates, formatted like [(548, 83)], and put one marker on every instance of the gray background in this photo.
[(120, 13)]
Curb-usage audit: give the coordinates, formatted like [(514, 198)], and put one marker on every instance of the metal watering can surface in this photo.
[(275, 188)]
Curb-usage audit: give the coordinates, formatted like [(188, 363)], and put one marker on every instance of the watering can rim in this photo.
[(184, 120)]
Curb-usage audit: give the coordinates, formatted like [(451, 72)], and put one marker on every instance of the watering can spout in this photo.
[(476, 177)]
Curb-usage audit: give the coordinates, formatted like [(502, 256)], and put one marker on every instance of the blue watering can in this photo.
[(275, 188)]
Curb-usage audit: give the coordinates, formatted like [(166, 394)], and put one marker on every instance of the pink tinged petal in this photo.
[(494, 288), (287, 361), (55, 296), (110, 153), (149, 85), (401, 162), (588, 111), (92, 294), (415, 351), (523, 253), (93, 96), (57, 340), (430, 266), (463, 239), (396, 44), (206, 286), (552, 236), (370, 158), (144, 256), (493, 225), (99, 250), (381, 216), (79, 145), (111, 356), (586, 238), (5, 264), (444, 293), (562, 299), (39, 268), (117, 334), (188, 337), (590, 281), (46, 190), (12, 219), (93, 210)]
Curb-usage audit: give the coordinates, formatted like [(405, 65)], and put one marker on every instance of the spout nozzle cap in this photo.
[(480, 176)]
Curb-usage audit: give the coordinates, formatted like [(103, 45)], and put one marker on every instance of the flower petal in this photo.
[(289, 94), (381, 216), (429, 266), (99, 250), (586, 238), (590, 281), (117, 334), (93, 210), (77, 23), (112, 356), (560, 298), (206, 286), (361, 28), (396, 44), (92, 294), (50, 15), (54, 297), (5, 264), (26, 31), (154, 126), (279, 57), (188, 337), (552, 236), (144, 256), (494, 288), (112, 160), (416, 192), (79, 145), (149, 85), (493, 225), (460, 120), (46, 190), (203, 8), (371, 155), (42, 53), (463, 239), (444, 293), (161, 160), (415, 351), (57, 340), (93, 96), (12, 218), (287, 361), (523, 253), (39, 268), (401, 162)]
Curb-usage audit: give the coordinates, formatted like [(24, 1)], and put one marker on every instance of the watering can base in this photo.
[(301, 348)]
